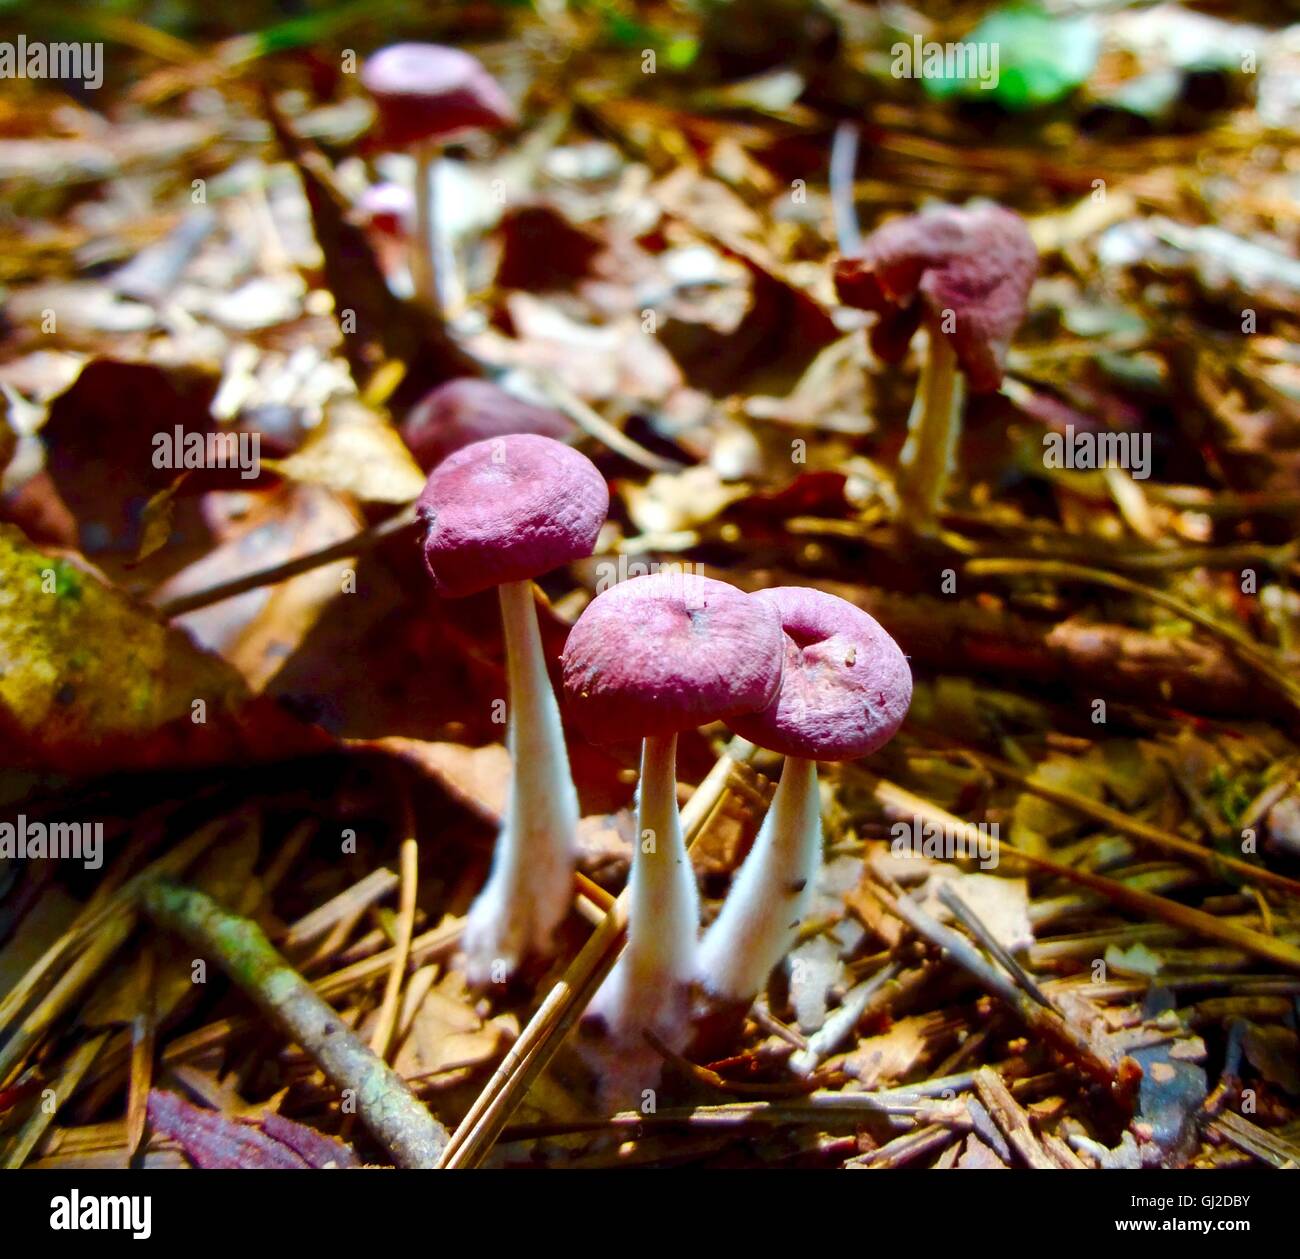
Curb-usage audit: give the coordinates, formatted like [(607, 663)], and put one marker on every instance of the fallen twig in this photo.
[(387, 1021), (392, 1113), (1010, 1117), (1195, 921), (1208, 858), (1268, 1146), (357, 544), (1264, 662), (1121, 1077)]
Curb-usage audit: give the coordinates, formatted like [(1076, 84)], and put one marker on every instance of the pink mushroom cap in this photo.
[(846, 685), (978, 262), (509, 509), (660, 654), (389, 207), (431, 92), (460, 412)]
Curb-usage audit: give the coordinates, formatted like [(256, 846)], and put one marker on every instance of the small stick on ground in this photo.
[(905, 1149), (1010, 1117), (437, 943), (827, 1109), (392, 1113), (840, 1022), (143, 1033), (387, 1021), (991, 944), (1270, 1147), (1119, 1078), (357, 544), (74, 1069), (1214, 862), (1267, 664), (1194, 921)]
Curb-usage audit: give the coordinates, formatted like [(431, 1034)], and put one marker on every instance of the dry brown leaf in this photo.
[(355, 452)]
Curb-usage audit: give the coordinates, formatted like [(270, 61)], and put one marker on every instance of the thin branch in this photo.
[(1195, 921), (1214, 862), (1010, 1117), (972, 922), (397, 1119), (1120, 1078), (381, 1041), (357, 544), (1263, 662)]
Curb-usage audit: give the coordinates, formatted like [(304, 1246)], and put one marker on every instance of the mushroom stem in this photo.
[(664, 909), (933, 428), (423, 264), (771, 894), (530, 888), (647, 989)]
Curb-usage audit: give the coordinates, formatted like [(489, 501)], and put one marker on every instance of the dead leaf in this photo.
[(355, 452), (91, 680)]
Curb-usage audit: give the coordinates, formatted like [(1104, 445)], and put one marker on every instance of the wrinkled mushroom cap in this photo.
[(660, 654), (846, 685), (428, 92), (509, 509), (459, 412), (978, 263)]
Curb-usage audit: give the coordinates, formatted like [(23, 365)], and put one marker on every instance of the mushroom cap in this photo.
[(428, 91), (659, 654), (846, 685), (978, 262), (509, 509), (460, 412), (389, 207)]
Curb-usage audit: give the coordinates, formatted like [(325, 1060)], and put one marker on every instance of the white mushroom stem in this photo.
[(423, 252), (771, 894), (646, 988), (933, 428), (530, 889), (664, 903)]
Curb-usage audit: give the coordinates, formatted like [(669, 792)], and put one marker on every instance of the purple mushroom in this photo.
[(500, 513), (387, 208), (385, 212), (844, 692), (649, 658), (427, 94), (459, 412), (967, 274)]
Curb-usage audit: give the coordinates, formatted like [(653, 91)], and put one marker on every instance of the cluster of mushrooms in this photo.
[(794, 670)]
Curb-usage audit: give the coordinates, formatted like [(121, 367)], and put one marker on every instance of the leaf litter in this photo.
[(1102, 657)]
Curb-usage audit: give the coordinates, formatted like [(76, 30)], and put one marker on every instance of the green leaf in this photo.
[(1034, 59)]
